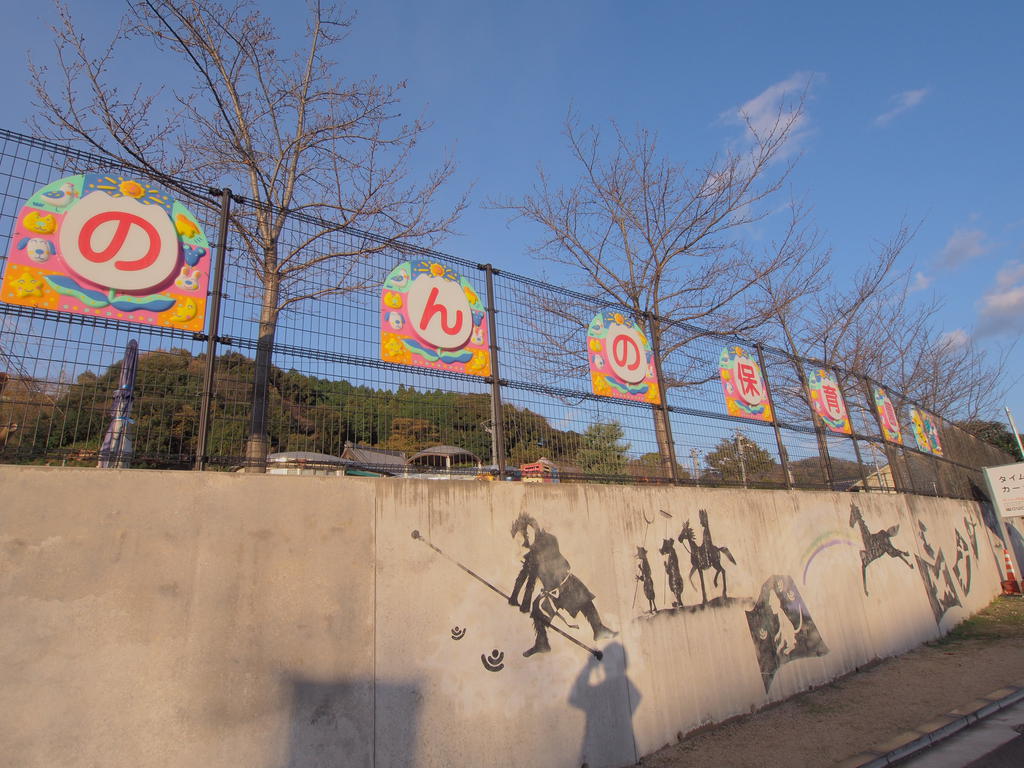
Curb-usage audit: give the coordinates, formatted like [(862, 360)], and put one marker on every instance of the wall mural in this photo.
[(109, 246), (939, 583), (782, 628), (560, 590), (704, 556), (875, 544)]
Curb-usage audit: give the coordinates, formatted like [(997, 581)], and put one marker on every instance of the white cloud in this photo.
[(776, 104), (1002, 308), (903, 102), (964, 245), (921, 282), (958, 337)]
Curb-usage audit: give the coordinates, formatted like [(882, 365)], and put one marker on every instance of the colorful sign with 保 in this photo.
[(926, 431), (827, 401), (743, 385), (887, 416), (432, 318), (621, 361), (112, 246)]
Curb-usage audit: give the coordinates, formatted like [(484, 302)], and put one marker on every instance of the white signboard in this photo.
[(1007, 486)]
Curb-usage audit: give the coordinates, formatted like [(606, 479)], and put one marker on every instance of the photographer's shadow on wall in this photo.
[(608, 698)]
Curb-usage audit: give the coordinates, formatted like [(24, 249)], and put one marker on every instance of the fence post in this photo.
[(213, 326), (497, 415), (860, 461), (670, 445), (890, 454), (783, 456)]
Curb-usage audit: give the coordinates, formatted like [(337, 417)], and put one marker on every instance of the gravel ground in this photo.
[(827, 725)]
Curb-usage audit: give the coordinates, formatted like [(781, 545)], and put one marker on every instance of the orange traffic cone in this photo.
[(1010, 586)]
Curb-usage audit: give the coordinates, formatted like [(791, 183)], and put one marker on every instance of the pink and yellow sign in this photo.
[(743, 385), (887, 416), (109, 246), (432, 318), (621, 361), (926, 432), (827, 401)]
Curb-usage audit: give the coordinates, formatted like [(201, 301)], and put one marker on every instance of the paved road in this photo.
[(995, 742)]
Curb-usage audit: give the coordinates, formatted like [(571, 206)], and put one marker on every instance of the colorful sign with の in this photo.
[(433, 318), (827, 401), (926, 431), (109, 246), (887, 416), (621, 361), (743, 385)]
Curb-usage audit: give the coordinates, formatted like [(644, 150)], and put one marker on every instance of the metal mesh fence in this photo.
[(334, 405)]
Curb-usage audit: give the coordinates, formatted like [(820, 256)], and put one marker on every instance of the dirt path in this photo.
[(843, 718)]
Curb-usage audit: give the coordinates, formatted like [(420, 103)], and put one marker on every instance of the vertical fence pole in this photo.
[(670, 446), (860, 461), (497, 414), (202, 437), (890, 454), (783, 456)]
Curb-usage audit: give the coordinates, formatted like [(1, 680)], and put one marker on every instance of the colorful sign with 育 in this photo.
[(743, 385), (432, 318), (887, 416), (926, 431), (621, 361), (109, 246), (827, 401)]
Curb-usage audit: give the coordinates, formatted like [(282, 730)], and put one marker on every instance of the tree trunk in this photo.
[(258, 444), (661, 434)]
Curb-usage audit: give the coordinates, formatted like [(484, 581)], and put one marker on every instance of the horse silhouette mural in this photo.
[(875, 544), (704, 556)]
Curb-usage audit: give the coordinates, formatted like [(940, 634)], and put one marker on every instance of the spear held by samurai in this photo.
[(597, 653)]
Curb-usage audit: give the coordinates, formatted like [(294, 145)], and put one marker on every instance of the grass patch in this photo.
[(1002, 618)]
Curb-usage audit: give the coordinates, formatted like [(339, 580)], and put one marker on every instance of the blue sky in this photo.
[(915, 113)]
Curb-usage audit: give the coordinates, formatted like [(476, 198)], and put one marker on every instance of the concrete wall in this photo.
[(159, 618)]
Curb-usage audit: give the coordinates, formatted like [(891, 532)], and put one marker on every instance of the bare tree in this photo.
[(872, 326), (279, 125), (661, 239)]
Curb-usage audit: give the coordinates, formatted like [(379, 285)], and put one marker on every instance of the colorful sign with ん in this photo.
[(433, 318), (743, 385), (109, 246), (926, 432), (621, 361), (887, 416), (828, 401)]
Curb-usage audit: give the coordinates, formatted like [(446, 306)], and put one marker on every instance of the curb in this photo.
[(904, 745)]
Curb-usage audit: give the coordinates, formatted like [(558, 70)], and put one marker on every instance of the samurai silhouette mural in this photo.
[(782, 628), (560, 589)]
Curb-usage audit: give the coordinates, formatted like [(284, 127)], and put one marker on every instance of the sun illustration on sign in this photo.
[(434, 269), (119, 186)]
